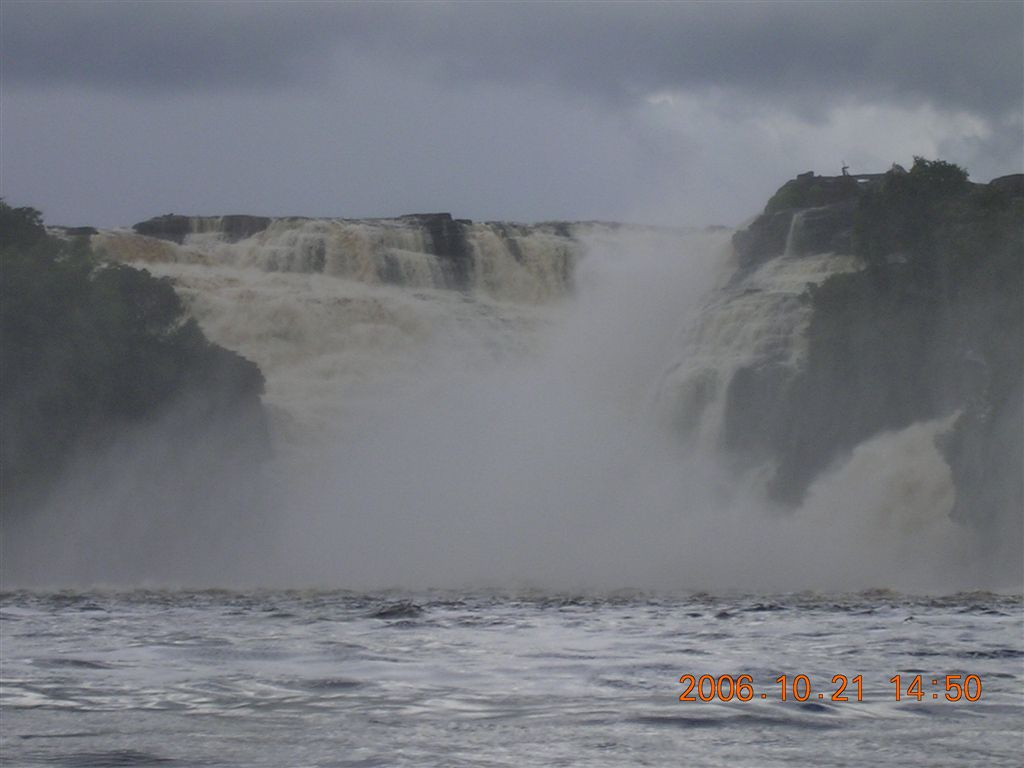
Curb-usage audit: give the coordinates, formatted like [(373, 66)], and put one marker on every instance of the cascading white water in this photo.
[(758, 319), (796, 225), (332, 309), (525, 428), (507, 261), (521, 264)]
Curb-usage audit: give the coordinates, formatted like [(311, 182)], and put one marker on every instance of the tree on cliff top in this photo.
[(21, 227), (899, 215)]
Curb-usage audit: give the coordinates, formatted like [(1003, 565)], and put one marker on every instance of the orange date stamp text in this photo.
[(952, 687)]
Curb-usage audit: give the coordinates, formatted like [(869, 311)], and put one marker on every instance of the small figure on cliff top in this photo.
[(846, 169)]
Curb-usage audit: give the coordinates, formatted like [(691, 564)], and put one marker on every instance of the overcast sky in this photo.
[(676, 113)]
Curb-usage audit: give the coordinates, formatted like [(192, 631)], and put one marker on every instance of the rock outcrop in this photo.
[(811, 214), (931, 325), (176, 228)]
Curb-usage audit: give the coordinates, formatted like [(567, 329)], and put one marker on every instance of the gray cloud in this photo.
[(955, 55), (163, 45), (115, 111)]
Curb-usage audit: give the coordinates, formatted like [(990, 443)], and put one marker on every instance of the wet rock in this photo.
[(170, 226), (448, 241), (176, 228)]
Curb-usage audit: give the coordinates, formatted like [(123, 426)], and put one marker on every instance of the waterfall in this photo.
[(793, 235), (520, 263), (495, 404), (506, 261), (758, 321), (336, 309), (337, 312)]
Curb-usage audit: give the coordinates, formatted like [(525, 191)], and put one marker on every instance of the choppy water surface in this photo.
[(446, 679)]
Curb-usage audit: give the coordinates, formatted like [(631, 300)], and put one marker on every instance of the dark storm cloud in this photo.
[(954, 55)]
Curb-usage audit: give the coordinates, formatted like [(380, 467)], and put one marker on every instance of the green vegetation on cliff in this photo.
[(88, 349), (903, 213)]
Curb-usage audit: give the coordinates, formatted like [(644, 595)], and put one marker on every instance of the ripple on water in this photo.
[(995, 653), (403, 609), (789, 719), (57, 662), (120, 758), (328, 684)]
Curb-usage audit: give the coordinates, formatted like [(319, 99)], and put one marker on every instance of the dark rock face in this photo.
[(876, 361), (1012, 185), (238, 227), (175, 227), (984, 451), (817, 210), (448, 241), (170, 226), (763, 240), (752, 415), (828, 229), (810, 191), (920, 334), (80, 231)]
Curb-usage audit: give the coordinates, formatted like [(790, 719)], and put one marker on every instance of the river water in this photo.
[(308, 678)]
